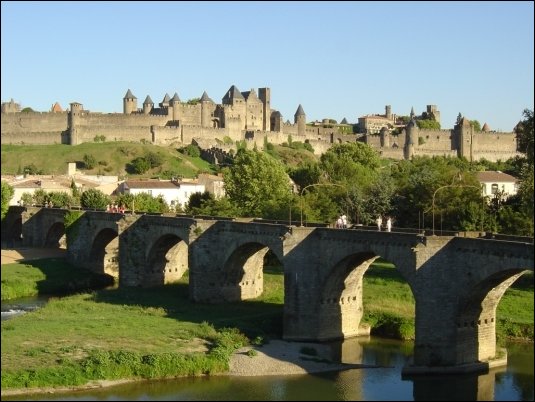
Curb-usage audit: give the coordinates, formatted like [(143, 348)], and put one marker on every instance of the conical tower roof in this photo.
[(206, 98), (300, 111), (344, 121), (175, 98), (129, 95), (485, 127), (166, 98), (148, 101)]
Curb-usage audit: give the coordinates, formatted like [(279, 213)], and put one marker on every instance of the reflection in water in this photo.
[(382, 383)]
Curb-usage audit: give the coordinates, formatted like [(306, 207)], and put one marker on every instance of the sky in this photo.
[(337, 59)]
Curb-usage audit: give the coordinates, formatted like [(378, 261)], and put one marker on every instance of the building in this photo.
[(175, 194), (493, 182), (247, 116)]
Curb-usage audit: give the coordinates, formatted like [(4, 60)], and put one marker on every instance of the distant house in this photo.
[(174, 193), (60, 183), (493, 182), (215, 185)]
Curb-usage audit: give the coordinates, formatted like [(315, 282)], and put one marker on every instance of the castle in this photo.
[(240, 116)]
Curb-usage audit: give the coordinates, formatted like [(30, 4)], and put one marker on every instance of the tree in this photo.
[(94, 199), (7, 194), (89, 161), (60, 199), (253, 180), (32, 169), (196, 201), (155, 159), (139, 165), (26, 199), (305, 173), (27, 110), (475, 125), (428, 124), (193, 101), (524, 133)]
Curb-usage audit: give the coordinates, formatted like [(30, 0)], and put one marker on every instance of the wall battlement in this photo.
[(240, 120)]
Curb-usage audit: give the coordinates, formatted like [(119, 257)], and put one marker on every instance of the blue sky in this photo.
[(336, 59)]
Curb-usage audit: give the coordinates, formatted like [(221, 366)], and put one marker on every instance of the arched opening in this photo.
[(104, 256), (243, 272), (340, 305), (55, 237), (476, 317), (14, 234), (364, 294), (167, 261)]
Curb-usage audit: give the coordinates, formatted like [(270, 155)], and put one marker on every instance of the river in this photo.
[(511, 383)]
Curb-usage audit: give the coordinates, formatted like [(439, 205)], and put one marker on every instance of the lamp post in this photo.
[(318, 184)]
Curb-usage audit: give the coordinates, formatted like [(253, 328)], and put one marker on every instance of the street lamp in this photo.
[(318, 184)]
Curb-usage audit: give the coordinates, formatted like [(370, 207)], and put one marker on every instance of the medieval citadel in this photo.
[(246, 116)]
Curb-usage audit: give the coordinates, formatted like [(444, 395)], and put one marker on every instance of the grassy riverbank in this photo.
[(48, 276), (158, 333)]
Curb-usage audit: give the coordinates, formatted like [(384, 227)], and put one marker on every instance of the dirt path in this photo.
[(10, 256)]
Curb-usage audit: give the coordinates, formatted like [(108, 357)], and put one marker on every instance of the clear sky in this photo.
[(336, 59)]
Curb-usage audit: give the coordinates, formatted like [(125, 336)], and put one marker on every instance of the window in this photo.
[(494, 188)]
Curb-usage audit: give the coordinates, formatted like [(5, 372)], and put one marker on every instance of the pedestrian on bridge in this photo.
[(379, 223), (389, 224)]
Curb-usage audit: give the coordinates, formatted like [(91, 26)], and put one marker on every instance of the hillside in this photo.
[(113, 158)]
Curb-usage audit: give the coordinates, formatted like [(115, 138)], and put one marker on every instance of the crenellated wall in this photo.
[(241, 120), (34, 128)]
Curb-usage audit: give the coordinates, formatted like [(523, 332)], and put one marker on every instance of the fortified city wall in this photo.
[(241, 116)]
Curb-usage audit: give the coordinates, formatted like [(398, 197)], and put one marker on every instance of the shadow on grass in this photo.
[(252, 317), (61, 278)]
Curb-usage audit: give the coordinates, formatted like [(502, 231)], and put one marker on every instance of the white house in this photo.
[(174, 193), (48, 183), (493, 182)]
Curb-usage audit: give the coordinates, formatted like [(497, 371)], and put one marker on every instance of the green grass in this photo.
[(115, 156), (48, 276)]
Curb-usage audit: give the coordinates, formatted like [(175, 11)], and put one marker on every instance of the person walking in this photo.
[(389, 224), (344, 222), (379, 223)]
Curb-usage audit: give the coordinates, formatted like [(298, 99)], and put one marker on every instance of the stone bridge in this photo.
[(457, 282)]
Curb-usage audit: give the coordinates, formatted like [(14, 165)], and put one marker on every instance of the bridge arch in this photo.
[(167, 260), (340, 306), (55, 236), (243, 272), (476, 317), (103, 258)]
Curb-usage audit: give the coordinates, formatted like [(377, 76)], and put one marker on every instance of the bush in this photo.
[(139, 165), (89, 161)]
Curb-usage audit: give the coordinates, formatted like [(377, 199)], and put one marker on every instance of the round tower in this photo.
[(388, 112), (174, 103), (300, 120), (385, 138), (264, 94), (148, 105), (411, 139), (207, 107), (129, 103), (74, 121)]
